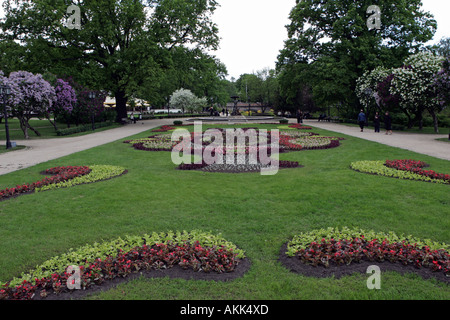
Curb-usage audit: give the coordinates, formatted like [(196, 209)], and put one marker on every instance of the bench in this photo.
[(324, 117)]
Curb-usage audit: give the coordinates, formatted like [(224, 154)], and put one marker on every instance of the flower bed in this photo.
[(401, 169), (199, 252), (164, 129), (290, 142), (417, 168), (63, 177), (332, 248), (300, 126)]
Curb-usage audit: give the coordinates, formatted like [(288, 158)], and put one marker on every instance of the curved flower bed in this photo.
[(308, 142), (333, 248), (299, 126), (200, 252), (401, 169), (63, 177), (164, 129), (236, 167)]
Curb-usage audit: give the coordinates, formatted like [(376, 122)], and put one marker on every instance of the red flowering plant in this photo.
[(209, 254), (350, 246), (417, 168), (59, 174), (300, 126)]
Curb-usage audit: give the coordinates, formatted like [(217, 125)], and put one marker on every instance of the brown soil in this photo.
[(175, 272), (295, 265)]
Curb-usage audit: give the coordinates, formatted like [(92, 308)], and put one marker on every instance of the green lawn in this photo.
[(257, 213), (42, 126)]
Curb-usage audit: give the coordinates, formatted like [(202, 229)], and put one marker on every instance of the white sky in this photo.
[(252, 32)]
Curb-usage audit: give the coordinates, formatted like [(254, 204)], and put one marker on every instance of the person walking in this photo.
[(299, 116), (377, 122), (362, 120), (388, 123)]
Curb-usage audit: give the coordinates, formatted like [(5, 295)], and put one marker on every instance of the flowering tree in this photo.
[(414, 83), (367, 86), (30, 96), (185, 99), (442, 84), (388, 100), (85, 107), (66, 100)]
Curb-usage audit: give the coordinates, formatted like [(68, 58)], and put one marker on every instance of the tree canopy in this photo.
[(120, 45), (329, 45)]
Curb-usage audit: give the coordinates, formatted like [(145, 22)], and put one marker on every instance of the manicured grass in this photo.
[(444, 140), (4, 150), (43, 127), (257, 213)]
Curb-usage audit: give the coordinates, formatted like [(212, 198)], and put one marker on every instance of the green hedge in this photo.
[(82, 128)]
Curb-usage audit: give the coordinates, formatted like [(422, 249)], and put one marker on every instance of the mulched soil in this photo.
[(175, 272), (295, 265)]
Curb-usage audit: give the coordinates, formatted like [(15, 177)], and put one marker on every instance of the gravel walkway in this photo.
[(39, 151)]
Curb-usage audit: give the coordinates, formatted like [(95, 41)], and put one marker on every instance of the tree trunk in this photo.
[(121, 106), (435, 121), (24, 128), (52, 122)]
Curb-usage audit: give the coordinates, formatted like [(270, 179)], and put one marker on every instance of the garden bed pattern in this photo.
[(338, 252), (401, 169), (63, 177), (291, 140), (195, 255)]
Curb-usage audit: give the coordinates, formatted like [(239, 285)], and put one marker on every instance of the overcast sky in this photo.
[(253, 31)]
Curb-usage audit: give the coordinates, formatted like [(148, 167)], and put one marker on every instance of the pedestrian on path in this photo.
[(388, 123), (377, 122), (299, 116), (362, 120)]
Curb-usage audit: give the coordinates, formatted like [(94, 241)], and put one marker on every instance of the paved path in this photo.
[(42, 150), (38, 151), (420, 143)]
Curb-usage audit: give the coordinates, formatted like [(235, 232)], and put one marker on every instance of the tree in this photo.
[(414, 83), (330, 44), (442, 48), (31, 96), (121, 44), (367, 86), (185, 100), (66, 100), (441, 84)]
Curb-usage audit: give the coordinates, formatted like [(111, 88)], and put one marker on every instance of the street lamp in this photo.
[(92, 97), (5, 91)]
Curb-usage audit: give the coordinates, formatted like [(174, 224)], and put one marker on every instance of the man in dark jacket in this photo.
[(362, 120)]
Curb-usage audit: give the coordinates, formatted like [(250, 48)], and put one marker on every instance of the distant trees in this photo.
[(329, 46), (421, 84)]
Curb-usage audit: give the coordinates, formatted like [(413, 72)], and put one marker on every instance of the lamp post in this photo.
[(92, 97), (5, 91)]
